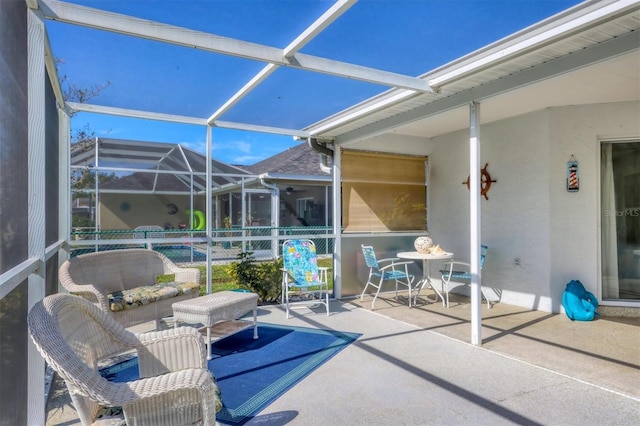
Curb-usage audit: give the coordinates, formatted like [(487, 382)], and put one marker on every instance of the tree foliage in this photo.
[(72, 92)]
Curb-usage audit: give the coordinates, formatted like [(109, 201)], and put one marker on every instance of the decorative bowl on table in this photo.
[(423, 244)]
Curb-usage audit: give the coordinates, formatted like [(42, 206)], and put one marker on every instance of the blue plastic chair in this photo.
[(452, 278), (301, 276), (385, 270)]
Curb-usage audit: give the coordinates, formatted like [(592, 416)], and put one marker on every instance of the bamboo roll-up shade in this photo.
[(383, 192), (359, 166)]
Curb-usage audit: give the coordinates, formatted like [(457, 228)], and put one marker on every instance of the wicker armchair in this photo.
[(76, 338), (98, 276)]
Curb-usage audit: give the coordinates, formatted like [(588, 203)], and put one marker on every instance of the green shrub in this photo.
[(267, 276), (262, 278), (220, 280)]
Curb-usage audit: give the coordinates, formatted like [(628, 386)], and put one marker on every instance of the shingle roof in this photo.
[(142, 181), (150, 156), (298, 160)]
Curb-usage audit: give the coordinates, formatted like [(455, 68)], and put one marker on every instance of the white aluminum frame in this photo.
[(405, 88)]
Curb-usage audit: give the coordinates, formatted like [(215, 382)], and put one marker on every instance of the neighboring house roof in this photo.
[(586, 54), (143, 181), (298, 160), (167, 167)]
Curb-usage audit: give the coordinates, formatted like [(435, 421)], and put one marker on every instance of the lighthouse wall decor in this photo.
[(573, 181)]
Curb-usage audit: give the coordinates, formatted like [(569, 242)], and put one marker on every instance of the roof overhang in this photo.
[(274, 177), (587, 54)]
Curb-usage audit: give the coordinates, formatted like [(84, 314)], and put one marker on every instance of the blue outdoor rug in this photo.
[(251, 374)]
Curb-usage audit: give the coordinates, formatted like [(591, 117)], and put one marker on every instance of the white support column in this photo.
[(275, 221), (208, 213), (36, 194), (475, 222), (64, 184), (96, 214), (337, 225)]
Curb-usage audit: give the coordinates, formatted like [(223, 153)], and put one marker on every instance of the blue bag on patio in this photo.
[(578, 303)]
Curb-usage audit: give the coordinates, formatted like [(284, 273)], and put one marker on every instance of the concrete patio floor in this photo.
[(415, 367)]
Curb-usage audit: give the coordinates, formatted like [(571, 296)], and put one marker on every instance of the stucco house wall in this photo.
[(144, 210), (575, 222), (539, 235)]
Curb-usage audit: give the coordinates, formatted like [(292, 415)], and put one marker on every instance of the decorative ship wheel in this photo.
[(485, 181)]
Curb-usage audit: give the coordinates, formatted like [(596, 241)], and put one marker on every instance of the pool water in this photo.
[(179, 254)]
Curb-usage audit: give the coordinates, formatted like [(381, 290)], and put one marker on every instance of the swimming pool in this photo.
[(177, 254), (180, 254)]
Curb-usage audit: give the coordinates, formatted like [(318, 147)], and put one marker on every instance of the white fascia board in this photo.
[(123, 24), (260, 129), (123, 112), (361, 111), (597, 53), (542, 34), (289, 177)]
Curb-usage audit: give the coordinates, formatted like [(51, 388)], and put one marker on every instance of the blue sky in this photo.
[(405, 36)]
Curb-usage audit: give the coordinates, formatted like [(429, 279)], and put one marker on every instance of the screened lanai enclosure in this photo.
[(128, 194), (561, 87)]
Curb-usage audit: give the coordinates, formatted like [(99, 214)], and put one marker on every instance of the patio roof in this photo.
[(586, 54), (591, 32), (211, 51)]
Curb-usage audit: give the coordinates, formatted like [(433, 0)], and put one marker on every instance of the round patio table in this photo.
[(426, 276)]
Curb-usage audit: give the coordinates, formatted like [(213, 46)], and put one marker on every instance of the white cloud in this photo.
[(245, 159), (241, 146), (197, 146)]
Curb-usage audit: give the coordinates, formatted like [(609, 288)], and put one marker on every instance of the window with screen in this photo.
[(383, 192)]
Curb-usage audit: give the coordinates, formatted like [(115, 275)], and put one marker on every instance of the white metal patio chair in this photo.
[(453, 277), (301, 276), (381, 270), (76, 339)]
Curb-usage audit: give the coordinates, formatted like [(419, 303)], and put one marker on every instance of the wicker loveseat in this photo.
[(126, 284), (174, 385)]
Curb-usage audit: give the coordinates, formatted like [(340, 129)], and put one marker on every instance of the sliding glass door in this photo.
[(620, 220)]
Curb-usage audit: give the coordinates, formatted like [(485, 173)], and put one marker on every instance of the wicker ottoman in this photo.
[(218, 312)]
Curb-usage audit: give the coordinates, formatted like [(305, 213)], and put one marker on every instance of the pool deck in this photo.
[(416, 367)]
